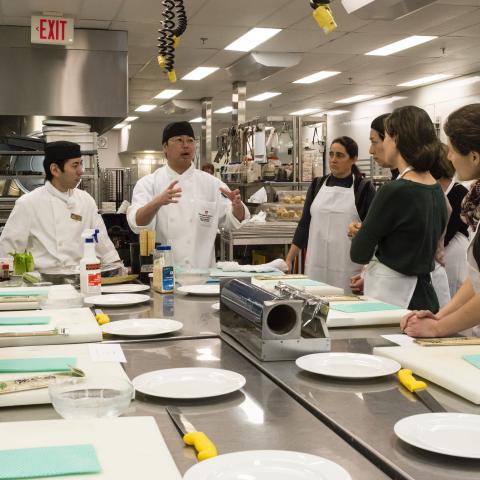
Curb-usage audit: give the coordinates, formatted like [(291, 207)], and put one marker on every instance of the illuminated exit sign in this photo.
[(52, 30)]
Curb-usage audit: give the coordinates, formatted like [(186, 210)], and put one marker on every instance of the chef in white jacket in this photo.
[(49, 221), (184, 205)]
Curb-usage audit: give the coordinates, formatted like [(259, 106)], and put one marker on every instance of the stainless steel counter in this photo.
[(365, 412)]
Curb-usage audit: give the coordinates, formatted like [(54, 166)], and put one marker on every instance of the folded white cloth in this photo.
[(228, 266), (277, 265), (260, 196), (260, 217)]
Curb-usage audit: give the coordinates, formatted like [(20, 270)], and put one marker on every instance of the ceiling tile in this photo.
[(99, 10), (453, 26), (96, 24), (34, 7), (17, 21), (216, 36)]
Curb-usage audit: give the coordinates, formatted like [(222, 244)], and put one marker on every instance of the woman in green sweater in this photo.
[(400, 234)]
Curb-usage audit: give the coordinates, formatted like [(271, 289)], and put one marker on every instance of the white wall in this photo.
[(439, 100)]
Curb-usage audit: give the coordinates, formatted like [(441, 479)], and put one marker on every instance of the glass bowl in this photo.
[(75, 398), (191, 276)]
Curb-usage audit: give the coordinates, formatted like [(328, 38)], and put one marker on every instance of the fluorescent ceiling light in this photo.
[(167, 93), (130, 119), (224, 110), (196, 120), (149, 151), (252, 38), (424, 80), (118, 126), (145, 108), (465, 81), (199, 73), (355, 98), (387, 101), (305, 111), (395, 47), (263, 96), (316, 77), (333, 113)]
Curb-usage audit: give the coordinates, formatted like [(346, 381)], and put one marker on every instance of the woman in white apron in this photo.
[(399, 237), (333, 202), (463, 311)]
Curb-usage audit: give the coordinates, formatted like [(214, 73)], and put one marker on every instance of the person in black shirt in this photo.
[(463, 311), (333, 201), (456, 236)]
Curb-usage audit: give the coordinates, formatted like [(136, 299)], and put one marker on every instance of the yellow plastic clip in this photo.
[(176, 41), (324, 18), (161, 60), (172, 76), (102, 318), (203, 445)]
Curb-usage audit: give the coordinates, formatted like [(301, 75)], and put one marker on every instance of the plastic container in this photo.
[(282, 212), (90, 270), (292, 197), (86, 397), (163, 271)]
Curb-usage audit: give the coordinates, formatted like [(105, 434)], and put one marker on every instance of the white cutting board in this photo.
[(341, 319), (40, 396), (322, 289), (28, 305), (127, 448), (80, 322), (441, 365)]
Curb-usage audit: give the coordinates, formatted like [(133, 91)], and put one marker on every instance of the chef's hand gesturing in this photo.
[(237, 205), (170, 195)]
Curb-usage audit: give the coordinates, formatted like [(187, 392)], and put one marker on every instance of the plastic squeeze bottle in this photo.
[(90, 270)]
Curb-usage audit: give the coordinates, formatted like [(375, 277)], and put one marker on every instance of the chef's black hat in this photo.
[(176, 129), (60, 152)]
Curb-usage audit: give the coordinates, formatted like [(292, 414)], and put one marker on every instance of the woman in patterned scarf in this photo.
[(463, 311)]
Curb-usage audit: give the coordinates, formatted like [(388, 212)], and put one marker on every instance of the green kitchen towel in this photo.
[(38, 364), (24, 320), (48, 461), (473, 359), (362, 307), (23, 293)]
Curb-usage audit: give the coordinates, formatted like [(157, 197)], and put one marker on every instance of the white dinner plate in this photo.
[(448, 433), (189, 382), (141, 327), (216, 306), (348, 365), (117, 299), (125, 288), (267, 465), (208, 289)]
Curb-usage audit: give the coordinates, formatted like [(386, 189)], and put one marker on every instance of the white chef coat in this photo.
[(49, 224), (328, 254), (189, 226)]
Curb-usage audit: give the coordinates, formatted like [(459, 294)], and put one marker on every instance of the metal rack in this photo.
[(116, 185)]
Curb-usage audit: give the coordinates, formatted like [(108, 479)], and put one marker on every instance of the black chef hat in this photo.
[(176, 129), (60, 152)]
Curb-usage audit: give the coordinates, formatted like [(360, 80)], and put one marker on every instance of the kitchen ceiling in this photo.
[(219, 22)]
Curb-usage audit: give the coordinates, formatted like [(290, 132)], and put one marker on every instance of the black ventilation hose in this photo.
[(166, 38), (181, 18)]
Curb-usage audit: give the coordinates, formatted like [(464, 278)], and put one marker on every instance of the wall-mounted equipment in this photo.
[(323, 15)]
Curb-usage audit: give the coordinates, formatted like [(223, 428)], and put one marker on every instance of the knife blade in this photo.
[(418, 387), (191, 436)]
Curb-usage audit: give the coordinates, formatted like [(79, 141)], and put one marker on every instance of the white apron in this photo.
[(456, 257), (474, 274), (440, 284), (328, 254), (386, 284)]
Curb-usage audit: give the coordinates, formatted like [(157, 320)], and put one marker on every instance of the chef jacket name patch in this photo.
[(205, 215)]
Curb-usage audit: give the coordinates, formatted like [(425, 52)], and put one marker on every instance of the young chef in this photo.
[(463, 131), (49, 221), (184, 205), (407, 218), (332, 202)]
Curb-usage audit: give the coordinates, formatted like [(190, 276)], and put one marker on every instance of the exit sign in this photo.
[(52, 30)]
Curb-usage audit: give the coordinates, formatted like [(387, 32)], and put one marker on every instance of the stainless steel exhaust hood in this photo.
[(258, 66), (86, 81), (383, 9)]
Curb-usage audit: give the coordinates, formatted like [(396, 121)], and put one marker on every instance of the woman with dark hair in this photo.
[(377, 135), (399, 236), (333, 201), (456, 236), (463, 311)]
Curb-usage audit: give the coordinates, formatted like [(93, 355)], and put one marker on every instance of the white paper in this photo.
[(106, 353), (400, 339)]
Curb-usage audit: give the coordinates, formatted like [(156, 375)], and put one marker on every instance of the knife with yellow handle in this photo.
[(420, 389), (203, 445)]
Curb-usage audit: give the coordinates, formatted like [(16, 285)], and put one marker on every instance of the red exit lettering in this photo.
[(51, 29)]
